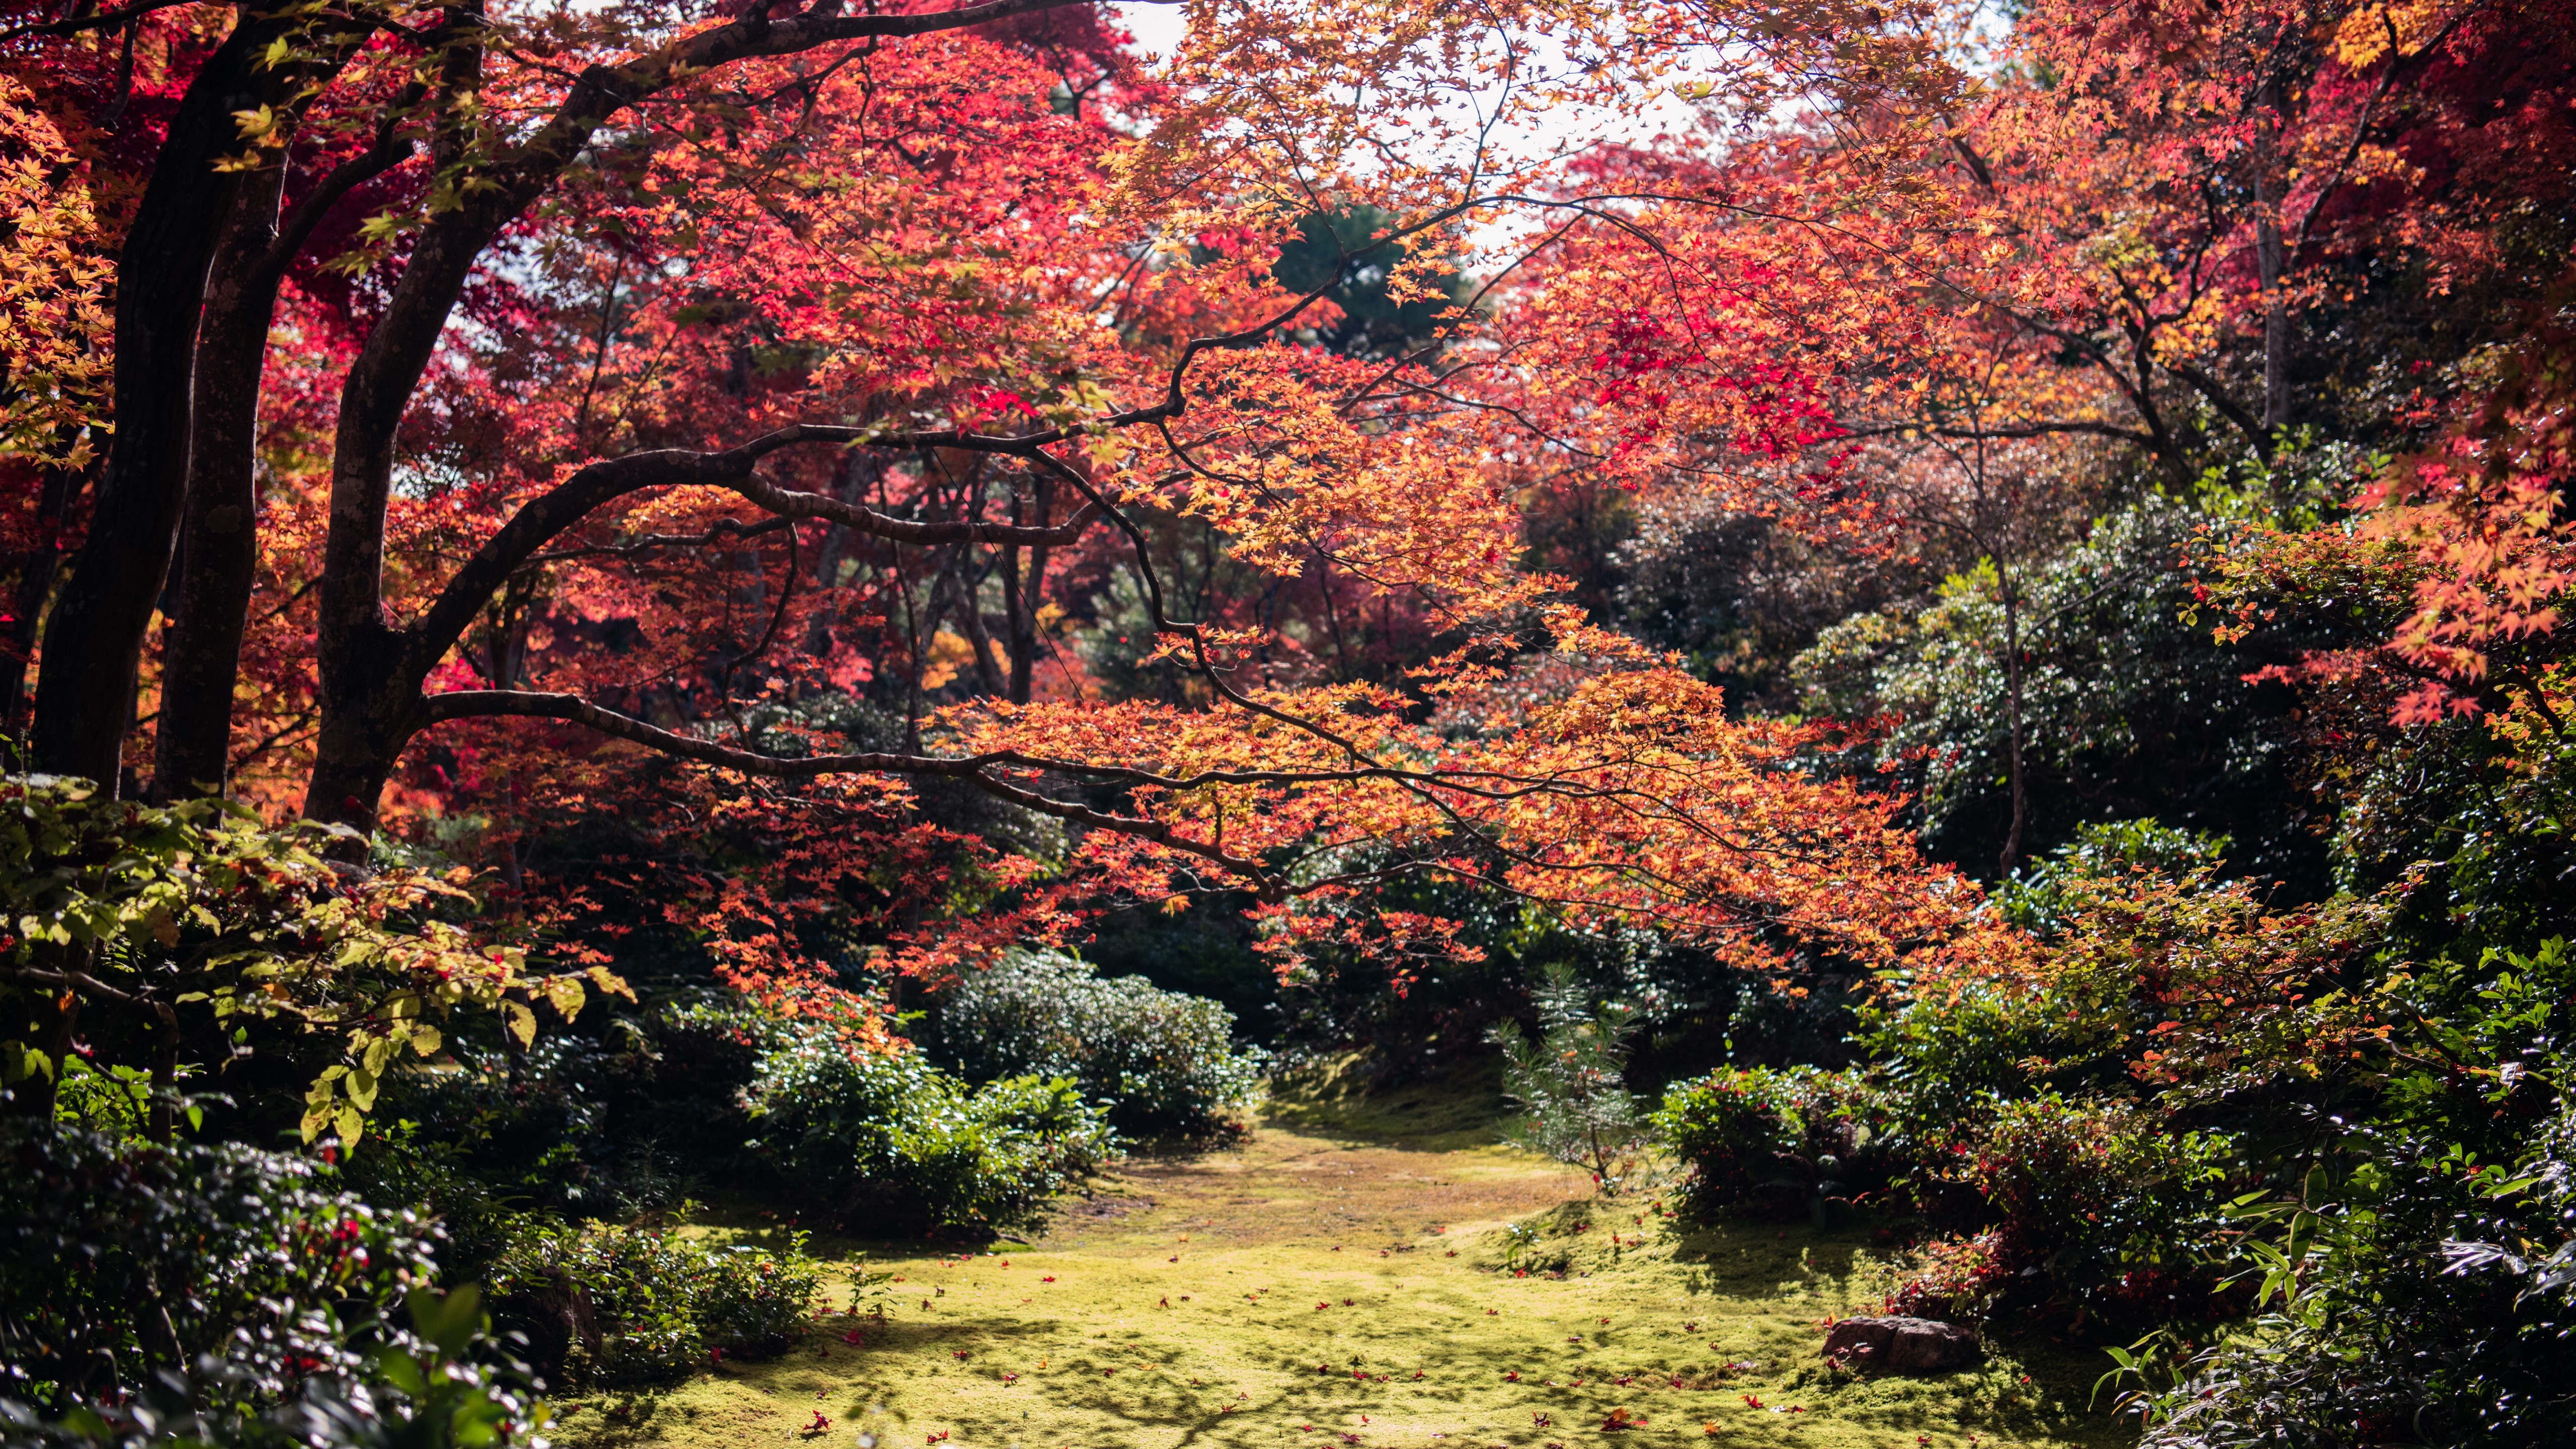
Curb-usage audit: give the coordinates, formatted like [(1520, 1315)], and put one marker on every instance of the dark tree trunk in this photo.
[(94, 637), (2271, 263), (2012, 850), (36, 570), (202, 646), (1025, 596)]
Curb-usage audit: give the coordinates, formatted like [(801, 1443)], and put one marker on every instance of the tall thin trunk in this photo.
[(161, 1124), (219, 559), (2013, 729), (1031, 595), (979, 639), (2270, 263), (36, 570), (1015, 626)]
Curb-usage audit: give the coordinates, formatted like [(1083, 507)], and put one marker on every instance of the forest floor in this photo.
[(1345, 1276)]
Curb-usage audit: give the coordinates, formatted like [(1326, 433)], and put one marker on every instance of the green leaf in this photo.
[(402, 1370), (447, 1320)]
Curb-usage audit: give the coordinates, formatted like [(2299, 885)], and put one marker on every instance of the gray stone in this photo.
[(1906, 1345)]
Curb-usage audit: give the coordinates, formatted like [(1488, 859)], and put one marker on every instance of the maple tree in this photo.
[(632, 372), (826, 495), (2146, 240)]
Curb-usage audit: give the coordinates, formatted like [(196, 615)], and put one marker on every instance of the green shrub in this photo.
[(2100, 1208), (120, 1262), (614, 1305), (1944, 1054), (442, 1385), (2038, 898), (2420, 1285), (893, 1143), (1162, 1062), (1782, 1139), (400, 1168), (612, 1120)]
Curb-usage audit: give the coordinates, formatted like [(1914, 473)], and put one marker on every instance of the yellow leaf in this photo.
[(565, 993), (522, 1023)]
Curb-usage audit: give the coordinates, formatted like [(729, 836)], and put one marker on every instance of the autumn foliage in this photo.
[(868, 469)]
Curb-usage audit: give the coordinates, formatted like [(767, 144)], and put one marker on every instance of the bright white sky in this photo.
[(1159, 28)]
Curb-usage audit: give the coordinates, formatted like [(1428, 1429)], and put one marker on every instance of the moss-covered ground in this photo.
[(1362, 1270)]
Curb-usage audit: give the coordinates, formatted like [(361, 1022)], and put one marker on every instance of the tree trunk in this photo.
[(2012, 693), (162, 1125), (218, 565), (94, 638), (371, 707), (1026, 595), (2270, 262), (36, 570)]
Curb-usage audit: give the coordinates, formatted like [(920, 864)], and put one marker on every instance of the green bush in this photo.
[(121, 1262), (1162, 1062), (400, 1168), (2096, 1207), (610, 1120), (617, 1305), (1782, 1139), (2037, 899), (890, 1142), (444, 1384), (2423, 1287)]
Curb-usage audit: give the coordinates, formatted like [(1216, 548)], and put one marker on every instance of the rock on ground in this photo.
[(1906, 1345)]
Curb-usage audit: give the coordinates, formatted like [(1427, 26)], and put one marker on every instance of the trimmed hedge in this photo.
[(1161, 1062), (1783, 1140), (891, 1145), (616, 1305)]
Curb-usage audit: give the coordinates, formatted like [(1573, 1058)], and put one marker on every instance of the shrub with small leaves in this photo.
[(605, 1304), (1785, 1139), (889, 1140), (2098, 1206), (120, 1262), (1162, 1062)]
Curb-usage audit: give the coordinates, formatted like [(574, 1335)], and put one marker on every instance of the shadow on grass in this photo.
[(1460, 1107), (1233, 1297)]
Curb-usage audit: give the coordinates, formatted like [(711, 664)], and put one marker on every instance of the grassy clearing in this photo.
[(1351, 1275)]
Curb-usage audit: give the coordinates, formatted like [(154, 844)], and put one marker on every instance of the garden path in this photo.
[(1337, 1280)]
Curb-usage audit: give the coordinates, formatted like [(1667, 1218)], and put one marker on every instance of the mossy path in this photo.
[(1338, 1279)]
